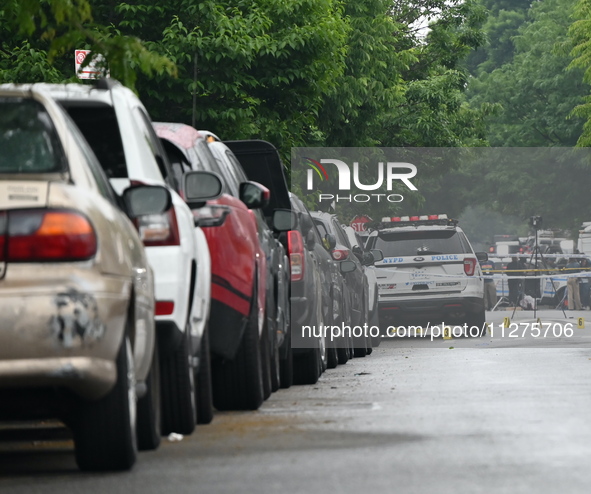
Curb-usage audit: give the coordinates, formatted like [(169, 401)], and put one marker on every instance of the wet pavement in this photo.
[(491, 414)]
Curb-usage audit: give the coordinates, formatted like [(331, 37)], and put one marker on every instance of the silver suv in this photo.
[(429, 274)]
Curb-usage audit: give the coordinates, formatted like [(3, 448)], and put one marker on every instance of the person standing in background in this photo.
[(515, 285), (572, 285), (585, 283), (490, 287)]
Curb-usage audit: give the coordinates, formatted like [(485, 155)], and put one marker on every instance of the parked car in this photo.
[(77, 336), (368, 259), (117, 126), (355, 288), (242, 284), (277, 306), (303, 359), (429, 273)]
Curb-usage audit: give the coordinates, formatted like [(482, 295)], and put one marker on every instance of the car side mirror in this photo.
[(347, 266), (284, 220), (254, 195), (144, 200), (482, 256), (200, 187), (377, 254), (331, 241), (367, 259)]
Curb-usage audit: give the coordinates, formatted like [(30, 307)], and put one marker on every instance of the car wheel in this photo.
[(266, 361), (286, 366), (238, 383), (332, 356), (204, 388), (179, 403), (375, 321), (105, 430), (343, 354), (307, 367), (149, 406), (275, 368), (477, 319)]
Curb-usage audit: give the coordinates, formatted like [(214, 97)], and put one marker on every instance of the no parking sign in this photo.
[(93, 70)]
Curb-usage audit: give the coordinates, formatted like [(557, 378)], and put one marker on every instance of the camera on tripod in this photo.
[(535, 222)]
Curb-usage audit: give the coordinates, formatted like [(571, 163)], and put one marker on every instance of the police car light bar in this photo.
[(430, 219)]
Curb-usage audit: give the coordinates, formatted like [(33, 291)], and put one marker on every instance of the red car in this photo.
[(238, 272)]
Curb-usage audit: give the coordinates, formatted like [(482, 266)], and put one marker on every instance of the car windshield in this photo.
[(28, 141), (413, 243)]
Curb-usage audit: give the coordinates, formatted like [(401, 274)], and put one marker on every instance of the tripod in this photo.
[(534, 255)]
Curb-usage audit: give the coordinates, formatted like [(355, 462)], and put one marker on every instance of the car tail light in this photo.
[(295, 247), (470, 266), (159, 229), (340, 254), (2, 235), (37, 235), (164, 308)]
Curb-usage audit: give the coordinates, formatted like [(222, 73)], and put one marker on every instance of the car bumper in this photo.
[(61, 331), (429, 309), (89, 378)]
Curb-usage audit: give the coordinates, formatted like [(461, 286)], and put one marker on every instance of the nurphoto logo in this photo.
[(387, 172)]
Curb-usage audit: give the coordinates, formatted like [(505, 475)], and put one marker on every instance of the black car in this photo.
[(312, 268), (355, 292)]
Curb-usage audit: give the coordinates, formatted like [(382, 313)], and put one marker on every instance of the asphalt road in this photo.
[(466, 415)]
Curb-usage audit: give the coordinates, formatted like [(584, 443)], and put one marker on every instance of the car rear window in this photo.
[(28, 141), (99, 126), (394, 244)]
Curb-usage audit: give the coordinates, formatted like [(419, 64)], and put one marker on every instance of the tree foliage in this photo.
[(52, 29), (535, 91), (580, 34), (522, 82)]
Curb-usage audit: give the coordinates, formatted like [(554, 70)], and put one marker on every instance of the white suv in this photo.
[(117, 126), (429, 274)]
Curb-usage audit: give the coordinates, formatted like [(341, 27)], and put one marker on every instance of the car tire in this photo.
[(203, 381), (275, 368), (149, 408), (351, 348), (332, 356), (375, 322), (238, 383), (477, 319), (266, 362), (307, 367), (105, 430), (286, 366), (179, 400)]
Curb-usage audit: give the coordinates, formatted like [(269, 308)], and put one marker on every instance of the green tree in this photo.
[(50, 29), (246, 69), (536, 92), (504, 19), (580, 34)]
